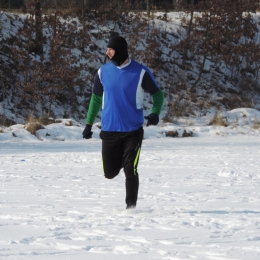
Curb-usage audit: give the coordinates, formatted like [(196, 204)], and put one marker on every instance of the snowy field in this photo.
[(199, 198)]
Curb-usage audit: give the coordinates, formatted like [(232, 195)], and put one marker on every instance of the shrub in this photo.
[(172, 134), (66, 122), (178, 108), (176, 134), (187, 134), (256, 125), (5, 122), (218, 120), (46, 120), (69, 123), (33, 125)]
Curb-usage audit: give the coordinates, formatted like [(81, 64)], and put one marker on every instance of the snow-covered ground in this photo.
[(199, 196)]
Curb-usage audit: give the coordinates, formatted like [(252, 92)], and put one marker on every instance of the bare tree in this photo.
[(217, 34)]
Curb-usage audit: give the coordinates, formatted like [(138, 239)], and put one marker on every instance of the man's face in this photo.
[(110, 53)]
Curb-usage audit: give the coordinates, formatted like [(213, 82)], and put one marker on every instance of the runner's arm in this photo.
[(95, 101), (149, 85)]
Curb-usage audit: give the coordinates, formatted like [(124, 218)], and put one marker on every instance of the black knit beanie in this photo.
[(119, 44)]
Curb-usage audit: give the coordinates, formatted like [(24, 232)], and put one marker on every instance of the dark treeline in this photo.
[(135, 4), (11, 4)]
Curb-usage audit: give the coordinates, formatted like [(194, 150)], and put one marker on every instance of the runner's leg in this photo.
[(112, 154), (132, 147)]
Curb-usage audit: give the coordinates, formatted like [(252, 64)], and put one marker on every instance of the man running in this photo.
[(119, 88)]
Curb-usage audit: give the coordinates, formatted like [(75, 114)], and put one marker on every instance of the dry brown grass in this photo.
[(172, 134), (218, 120), (256, 125), (66, 123), (1, 129), (187, 134), (33, 125), (176, 134), (46, 120)]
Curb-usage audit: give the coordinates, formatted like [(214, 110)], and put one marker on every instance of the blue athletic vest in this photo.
[(122, 108)]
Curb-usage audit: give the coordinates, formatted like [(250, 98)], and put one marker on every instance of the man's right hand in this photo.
[(87, 133)]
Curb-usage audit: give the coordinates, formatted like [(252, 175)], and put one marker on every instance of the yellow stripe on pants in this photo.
[(136, 160)]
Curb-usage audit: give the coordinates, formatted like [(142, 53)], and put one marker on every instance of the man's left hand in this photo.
[(153, 119)]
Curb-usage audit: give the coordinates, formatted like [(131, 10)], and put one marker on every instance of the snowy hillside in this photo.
[(154, 46)]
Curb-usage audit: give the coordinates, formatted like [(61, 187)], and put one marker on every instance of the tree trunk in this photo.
[(38, 28), (185, 54), (148, 7), (49, 108), (55, 23), (200, 74), (84, 2), (205, 54)]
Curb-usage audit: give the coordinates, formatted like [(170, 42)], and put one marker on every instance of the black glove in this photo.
[(87, 133), (153, 119)]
